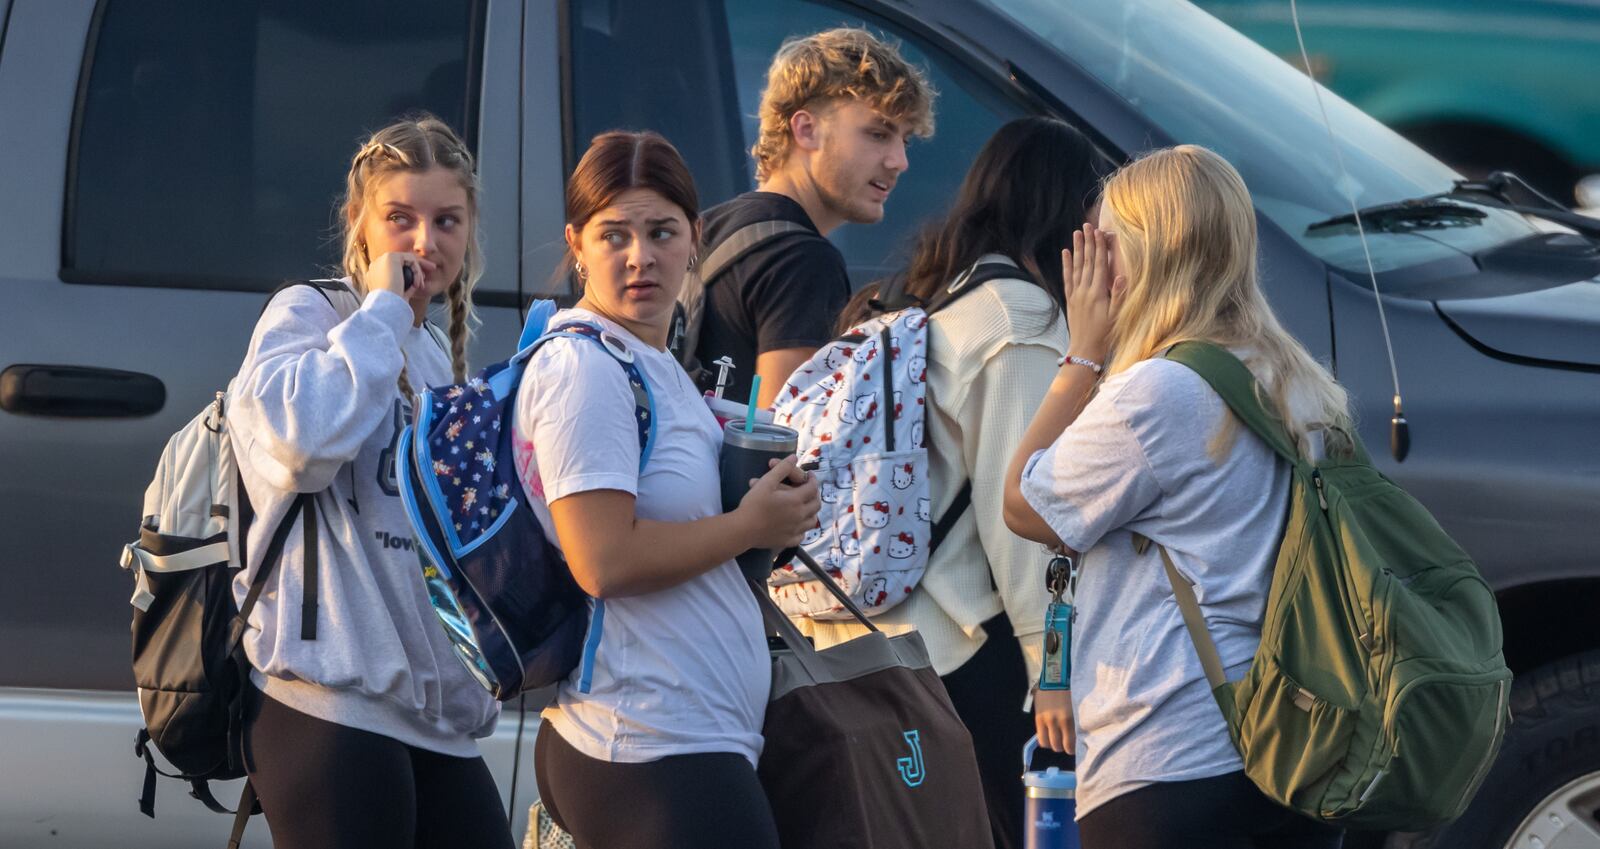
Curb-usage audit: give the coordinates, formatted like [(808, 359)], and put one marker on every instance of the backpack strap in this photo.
[(539, 314), (326, 288), (952, 514), (308, 594), (688, 313), (439, 337), (1193, 621), (1237, 386), (241, 620), (241, 817), (891, 295), (643, 400), (742, 241)]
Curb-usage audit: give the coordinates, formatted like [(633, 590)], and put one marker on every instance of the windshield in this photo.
[(1204, 83)]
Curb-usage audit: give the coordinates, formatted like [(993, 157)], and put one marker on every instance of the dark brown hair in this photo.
[(1031, 185), (619, 160)]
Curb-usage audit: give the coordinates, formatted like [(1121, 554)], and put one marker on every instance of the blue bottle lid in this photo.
[(1052, 783)]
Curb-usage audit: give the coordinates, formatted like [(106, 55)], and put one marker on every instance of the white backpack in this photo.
[(192, 508), (859, 406), (187, 631)]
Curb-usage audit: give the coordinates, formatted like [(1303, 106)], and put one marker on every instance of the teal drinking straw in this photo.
[(750, 409)]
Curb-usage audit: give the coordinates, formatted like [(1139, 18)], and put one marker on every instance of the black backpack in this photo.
[(689, 314), (188, 634)]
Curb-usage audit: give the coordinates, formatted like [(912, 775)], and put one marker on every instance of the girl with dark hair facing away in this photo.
[(991, 355), (364, 731), (653, 740)]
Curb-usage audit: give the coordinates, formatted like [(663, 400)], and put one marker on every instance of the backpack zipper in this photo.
[(1488, 756)]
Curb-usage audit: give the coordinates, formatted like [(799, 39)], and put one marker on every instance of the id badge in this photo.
[(1056, 673)]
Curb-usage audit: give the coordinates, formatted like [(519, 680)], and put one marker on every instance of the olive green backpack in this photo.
[(1378, 696)]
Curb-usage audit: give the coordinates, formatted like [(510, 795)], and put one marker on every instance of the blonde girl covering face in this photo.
[(1173, 259), (1185, 236)]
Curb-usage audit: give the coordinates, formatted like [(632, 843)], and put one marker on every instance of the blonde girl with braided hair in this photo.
[(362, 727)]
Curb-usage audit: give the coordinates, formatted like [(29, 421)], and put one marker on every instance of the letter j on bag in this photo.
[(911, 768)]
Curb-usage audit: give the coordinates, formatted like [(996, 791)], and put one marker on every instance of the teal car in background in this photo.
[(1481, 84)]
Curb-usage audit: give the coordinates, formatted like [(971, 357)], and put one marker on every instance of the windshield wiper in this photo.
[(1425, 213), (1450, 209), (1495, 191)]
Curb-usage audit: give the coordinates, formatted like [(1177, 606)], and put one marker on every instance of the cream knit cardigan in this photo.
[(992, 356)]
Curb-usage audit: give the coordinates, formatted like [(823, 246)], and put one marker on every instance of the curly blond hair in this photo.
[(848, 62)]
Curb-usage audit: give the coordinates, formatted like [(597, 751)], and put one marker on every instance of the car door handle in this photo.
[(79, 392)]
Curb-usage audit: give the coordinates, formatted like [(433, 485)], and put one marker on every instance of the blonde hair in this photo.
[(813, 71), (411, 145), (1186, 231)]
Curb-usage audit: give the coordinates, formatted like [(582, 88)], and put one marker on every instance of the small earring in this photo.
[(583, 273), (693, 261)]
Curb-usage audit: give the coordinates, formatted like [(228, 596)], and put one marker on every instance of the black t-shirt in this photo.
[(785, 293)]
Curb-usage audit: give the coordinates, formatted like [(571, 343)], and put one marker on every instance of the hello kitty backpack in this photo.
[(859, 405)]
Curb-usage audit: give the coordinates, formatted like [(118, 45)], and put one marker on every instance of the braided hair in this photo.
[(412, 144)]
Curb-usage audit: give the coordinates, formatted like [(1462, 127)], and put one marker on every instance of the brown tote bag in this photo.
[(863, 748)]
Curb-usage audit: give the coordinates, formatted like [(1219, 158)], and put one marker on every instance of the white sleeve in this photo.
[(995, 414), (1096, 477), (576, 409), (313, 387)]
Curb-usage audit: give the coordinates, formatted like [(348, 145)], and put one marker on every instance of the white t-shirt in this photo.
[(681, 671), (1136, 461)]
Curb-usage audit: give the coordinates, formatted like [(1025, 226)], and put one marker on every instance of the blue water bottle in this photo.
[(1052, 804)]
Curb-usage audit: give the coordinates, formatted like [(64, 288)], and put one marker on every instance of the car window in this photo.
[(694, 72), (649, 65), (212, 139), (967, 112)]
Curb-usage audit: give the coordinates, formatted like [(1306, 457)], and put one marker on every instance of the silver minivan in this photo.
[(164, 163)]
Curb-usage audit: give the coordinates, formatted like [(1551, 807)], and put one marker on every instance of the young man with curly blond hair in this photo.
[(836, 114)]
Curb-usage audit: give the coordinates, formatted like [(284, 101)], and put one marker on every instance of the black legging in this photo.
[(1226, 812), (703, 801), (988, 691), (328, 786)]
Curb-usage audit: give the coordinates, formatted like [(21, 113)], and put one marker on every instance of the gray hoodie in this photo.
[(316, 408)]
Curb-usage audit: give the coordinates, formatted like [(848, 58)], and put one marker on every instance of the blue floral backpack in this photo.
[(510, 606)]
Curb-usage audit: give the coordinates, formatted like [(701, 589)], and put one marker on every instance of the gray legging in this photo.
[(329, 786), (702, 801)]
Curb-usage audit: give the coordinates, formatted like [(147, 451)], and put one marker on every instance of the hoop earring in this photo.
[(693, 261), (577, 266)]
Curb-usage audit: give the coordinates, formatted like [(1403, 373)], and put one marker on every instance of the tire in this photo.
[(1544, 789)]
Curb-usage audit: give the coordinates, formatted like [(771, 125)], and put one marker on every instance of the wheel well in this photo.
[(1548, 621)]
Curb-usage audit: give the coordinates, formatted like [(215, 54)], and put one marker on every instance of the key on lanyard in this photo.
[(1056, 673)]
